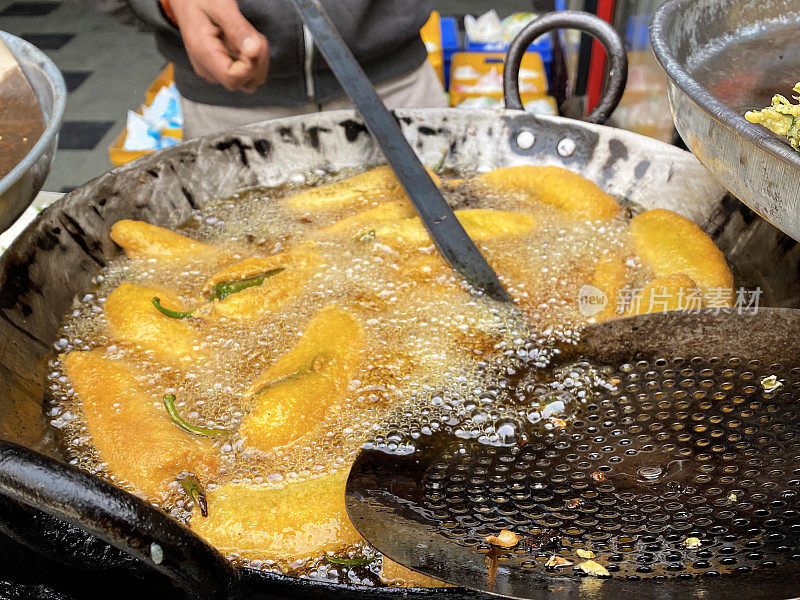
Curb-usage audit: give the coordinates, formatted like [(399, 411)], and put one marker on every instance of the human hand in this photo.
[(222, 45)]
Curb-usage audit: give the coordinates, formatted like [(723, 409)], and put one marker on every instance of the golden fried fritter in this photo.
[(480, 224), (386, 211), (293, 396), (133, 319), (375, 184), (668, 243), (560, 188), (131, 430), (610, 277), (397, 574), (141, 240), (670, 292), (294, 522), (276, 290)]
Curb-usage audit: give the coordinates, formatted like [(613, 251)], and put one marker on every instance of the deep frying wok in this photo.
[(51, 265)]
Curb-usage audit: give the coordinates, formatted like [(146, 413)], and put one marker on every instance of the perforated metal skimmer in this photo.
[(684, 481)]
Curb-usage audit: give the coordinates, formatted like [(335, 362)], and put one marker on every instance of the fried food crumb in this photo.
[(594, 569), (770, 384), (505, 539), (585, 553), (691, 543), (543, 539), (555, 562), (780, 117)]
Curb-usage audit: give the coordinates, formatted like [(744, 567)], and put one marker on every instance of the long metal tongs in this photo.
[(449, 236)]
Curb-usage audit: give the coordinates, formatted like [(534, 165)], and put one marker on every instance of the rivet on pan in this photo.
[(650, 473), (156, 553), (566, 147), (526, 139)]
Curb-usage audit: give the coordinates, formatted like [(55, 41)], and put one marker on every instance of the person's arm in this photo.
[(222, 45)]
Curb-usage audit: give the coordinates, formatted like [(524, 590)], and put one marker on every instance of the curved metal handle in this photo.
[(118, 518), (571, 19)]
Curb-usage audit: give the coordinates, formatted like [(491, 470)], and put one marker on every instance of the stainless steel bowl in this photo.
[(724, 57), (20, 186)]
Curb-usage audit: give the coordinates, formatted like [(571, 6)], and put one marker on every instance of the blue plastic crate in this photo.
[(450, 43), (542, 46), (637, 34)]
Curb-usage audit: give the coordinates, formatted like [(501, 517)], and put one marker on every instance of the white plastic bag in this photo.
[(140, 135)]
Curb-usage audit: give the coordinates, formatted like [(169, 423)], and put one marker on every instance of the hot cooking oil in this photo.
[(436, 355)]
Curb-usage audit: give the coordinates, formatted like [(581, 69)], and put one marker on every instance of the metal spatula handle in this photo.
[(452, 241)]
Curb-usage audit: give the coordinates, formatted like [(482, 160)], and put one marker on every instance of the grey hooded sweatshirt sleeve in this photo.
[(383, 35)]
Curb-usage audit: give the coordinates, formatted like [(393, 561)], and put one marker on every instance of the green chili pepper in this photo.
[(170, 313), (225, 288), (194, 489), (318, 362), (351, 562), (440, 165), (366, 236), (793, 136), (169, 404)]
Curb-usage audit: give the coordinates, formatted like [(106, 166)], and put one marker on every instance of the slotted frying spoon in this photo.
[(696, 441)]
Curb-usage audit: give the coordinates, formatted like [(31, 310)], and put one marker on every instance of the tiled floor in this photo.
[(74, 79), (29, 9), (107, 67)]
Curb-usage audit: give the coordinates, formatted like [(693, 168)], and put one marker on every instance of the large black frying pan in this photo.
[(79, 519)]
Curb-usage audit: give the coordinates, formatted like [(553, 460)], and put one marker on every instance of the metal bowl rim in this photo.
[(702, 97), (56, 116)]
